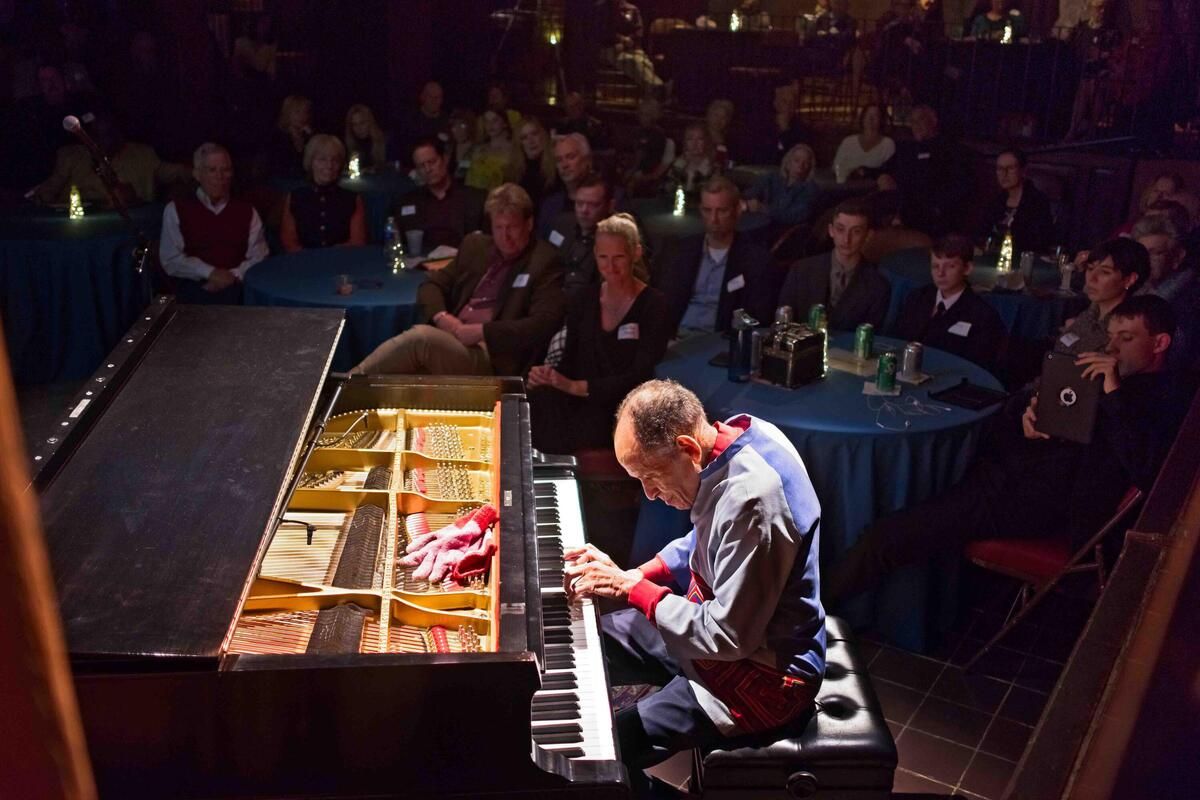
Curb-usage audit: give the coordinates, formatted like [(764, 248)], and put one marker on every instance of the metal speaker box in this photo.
[(793, 355)]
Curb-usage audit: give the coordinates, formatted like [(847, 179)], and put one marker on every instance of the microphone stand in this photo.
[(108, 176)]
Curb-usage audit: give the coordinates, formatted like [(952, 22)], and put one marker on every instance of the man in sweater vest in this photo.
[(210, 240), (742, 652)]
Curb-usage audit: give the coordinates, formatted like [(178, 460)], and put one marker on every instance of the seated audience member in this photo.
[(210, 240), (1037, 486), (1161, 189), (573, 158), (37, 127), (492, 310), (323, 214), (947, 314), (622, 46), (998, 23), (284, 156), (1171, 281), (428, 120), (863, 154), (718, 272), (832, 25), (574, 232), (443, 208), (789, 130), (576, 119), (139, 171), (499, 101), (365, 139), (1095, 41), (717, 119), (696, 164), (888, 231), (1114, 270), (463, 142), (497, 159), (928, 173), (789, 195), (538, 170), (617, 332), (653, 151), (851, 288), (1019, 207)]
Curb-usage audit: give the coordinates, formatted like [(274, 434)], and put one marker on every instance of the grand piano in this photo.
[(225, 522)]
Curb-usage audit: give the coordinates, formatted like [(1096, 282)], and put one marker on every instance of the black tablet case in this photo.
[(1067, 402)]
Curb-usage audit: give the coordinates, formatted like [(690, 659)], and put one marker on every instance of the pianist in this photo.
[(743, 651)]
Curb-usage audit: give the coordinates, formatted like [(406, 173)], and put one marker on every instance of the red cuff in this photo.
[(645, 597), (656, 571)]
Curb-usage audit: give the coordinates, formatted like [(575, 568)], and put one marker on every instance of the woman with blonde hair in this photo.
[(321, 213), (365, 139), (497, 159), (789, 195), (538, 169), (285, 156), (616, 333)]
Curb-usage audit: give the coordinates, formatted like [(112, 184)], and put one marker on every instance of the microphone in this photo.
[(72, 125)]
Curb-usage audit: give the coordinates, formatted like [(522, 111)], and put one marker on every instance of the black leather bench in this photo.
[(845, 752)]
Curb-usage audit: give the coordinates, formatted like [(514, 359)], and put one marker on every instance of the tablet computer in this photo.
[(1067, 402)]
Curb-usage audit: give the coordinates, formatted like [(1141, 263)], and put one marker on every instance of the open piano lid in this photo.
[(156, 522)]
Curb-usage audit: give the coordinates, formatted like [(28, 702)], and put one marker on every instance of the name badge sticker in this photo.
[(408, 211), (735, 283), (521, 281), (960, 328), (628, 331), (923, 156), (1068, 339), (556, 238)]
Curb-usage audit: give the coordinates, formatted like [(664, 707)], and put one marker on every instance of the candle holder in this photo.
[(354, 168), (75, 206)]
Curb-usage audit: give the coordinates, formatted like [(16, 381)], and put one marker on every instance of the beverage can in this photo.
[(816, 317), (756, 351), (783, 315), (885, 373), (910, 361), (864, 340)]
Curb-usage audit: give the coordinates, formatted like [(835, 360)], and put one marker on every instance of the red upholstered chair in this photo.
[(1039, 564)]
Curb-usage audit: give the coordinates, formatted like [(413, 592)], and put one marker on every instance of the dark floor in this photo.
[(961, 734)]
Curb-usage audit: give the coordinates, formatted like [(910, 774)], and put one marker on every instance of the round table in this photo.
[(867, 456), (68, 288), (1033, 314), (379, 191), (383, 303)]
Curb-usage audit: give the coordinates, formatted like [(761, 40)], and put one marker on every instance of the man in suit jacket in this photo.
[(947, 314), (492, 310), (714, 274), (574, 232), (851, 288), (443, 208)]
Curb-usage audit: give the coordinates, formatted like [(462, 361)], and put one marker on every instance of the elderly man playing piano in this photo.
[(743, 651)]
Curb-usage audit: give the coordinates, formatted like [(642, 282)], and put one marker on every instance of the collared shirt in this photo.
[(948, 301), (178, 264), (485, 300), (701, 313), (840, 276), (1171, 286), (1088, 333)]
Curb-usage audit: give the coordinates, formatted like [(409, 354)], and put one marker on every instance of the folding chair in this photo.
[(1041, 563)]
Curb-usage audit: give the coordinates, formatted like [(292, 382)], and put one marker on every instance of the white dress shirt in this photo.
[(178, 264), (947, 300)]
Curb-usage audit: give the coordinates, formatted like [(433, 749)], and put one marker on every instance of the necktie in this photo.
[(941, 309)]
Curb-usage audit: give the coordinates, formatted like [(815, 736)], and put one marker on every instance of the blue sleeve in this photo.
[(676, 556)]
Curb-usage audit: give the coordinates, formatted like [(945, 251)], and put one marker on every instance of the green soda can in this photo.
[(864, 340), (885, 373), (817, 319)]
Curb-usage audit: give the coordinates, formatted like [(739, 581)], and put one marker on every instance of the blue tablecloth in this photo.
[(379, 191), (866, 458), (382, 304), (1034, 314), (663, 229), (68, 289)]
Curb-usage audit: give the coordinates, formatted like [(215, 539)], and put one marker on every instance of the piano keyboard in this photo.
[(571, 713)]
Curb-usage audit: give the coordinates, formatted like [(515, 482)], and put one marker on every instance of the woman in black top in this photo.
[(322, 214), (617, 332)]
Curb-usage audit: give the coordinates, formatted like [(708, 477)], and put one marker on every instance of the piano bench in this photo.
[(845, 752)]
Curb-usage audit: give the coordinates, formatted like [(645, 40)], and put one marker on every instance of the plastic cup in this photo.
[(414, 240)]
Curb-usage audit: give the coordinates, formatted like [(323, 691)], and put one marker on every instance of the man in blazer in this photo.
[(851, 288), (723, 270), (492, 310), (947, 314)]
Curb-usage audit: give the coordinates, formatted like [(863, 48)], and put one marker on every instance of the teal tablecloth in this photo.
[(866, 458), (383, 303), (379, 192), (1033, 314), (68, 289)]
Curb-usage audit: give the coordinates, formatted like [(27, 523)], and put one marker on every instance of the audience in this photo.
[(790, 195), (210, 240), (789, 130), (573, 159), (538, 170), (1019, 207), (929, 174), (852, 289), (284, 156), (696, 164), (574, 232), (653, 151), (717, 119), (947, 314), (862, 154), (1114, 270), (832, 25), (1036, 486), (1094, 40), (444, 208), (499, 101), (718, 272), (428, 120), (463, 141), (616, 333), (576, 119), (40, 125), (1171, 281), (622, 44), (998, 23), (496, 160), (492, 310), (365, 139), (322, 214)]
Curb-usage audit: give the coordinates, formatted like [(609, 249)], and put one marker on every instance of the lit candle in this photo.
[(355, 168), (735, 21), (75, 209), (679, 201)]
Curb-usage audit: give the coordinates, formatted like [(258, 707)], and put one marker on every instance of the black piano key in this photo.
[(559, 738), (569, 697), (561, 662), (356, 567), (565, 712), (543, 489), (559, 681), (559, 729), (570, 752), (338, 629)]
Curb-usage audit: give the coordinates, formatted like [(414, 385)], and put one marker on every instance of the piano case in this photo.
[(159, 500)]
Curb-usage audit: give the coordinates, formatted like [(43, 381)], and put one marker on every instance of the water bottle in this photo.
[(389, 236)]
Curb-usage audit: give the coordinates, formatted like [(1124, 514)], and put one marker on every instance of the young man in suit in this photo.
[(723, 270), (492, 310), (947, 314), (851, 288)]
